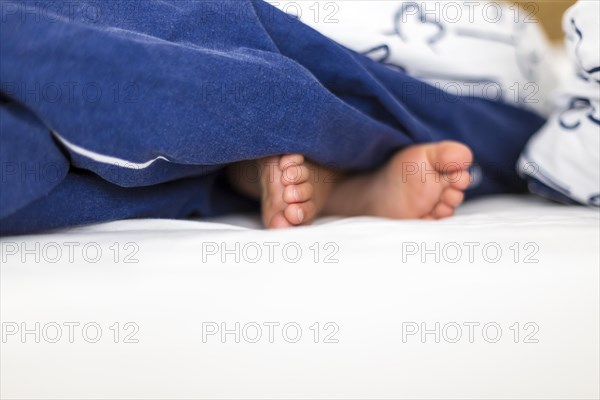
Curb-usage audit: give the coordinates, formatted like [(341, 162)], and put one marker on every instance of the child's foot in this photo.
[(292, 190), (422, 181)]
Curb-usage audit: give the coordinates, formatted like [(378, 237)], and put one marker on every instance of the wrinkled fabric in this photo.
[(486, 49), (138, 106), (562, 161)]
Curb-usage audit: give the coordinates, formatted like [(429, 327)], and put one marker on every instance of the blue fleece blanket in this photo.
[(114, 110)]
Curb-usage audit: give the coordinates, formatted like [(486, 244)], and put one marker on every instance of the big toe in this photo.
[(450, 156), (278, 221), (452, 160)]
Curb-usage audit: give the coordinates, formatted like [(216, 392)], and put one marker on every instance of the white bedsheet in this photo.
[(373, 297)]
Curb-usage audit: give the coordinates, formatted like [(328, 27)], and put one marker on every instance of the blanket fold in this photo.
[(154, 94)]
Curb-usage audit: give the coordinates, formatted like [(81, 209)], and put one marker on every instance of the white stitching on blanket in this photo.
[(101, 158)]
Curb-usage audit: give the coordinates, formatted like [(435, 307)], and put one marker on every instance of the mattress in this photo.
[(500, 301)]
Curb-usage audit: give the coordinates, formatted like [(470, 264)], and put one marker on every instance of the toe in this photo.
[(452, 160), (299, 213), (459, 180), (294, 174), (442, 210), (298, 193), (278, 221), (290, 160), (452, 156), (452, 197)]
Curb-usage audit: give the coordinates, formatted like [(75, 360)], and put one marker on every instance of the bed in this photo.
[(501, 301)]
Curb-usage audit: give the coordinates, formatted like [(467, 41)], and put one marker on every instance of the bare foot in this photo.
[(292, 191), (422, 181)]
